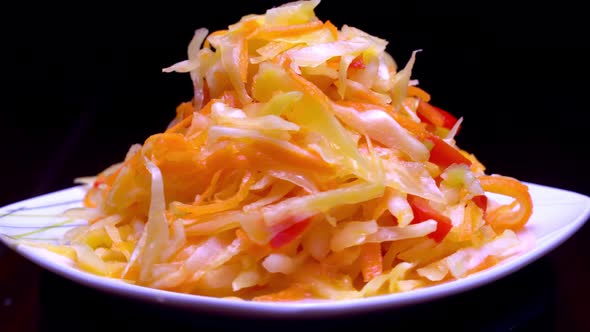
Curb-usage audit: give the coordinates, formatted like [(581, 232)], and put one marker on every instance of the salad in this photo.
[(307, 165)]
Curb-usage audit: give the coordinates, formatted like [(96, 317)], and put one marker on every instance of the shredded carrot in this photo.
[(206, 44), (371, 260), (249, 26), (270, 32), (333, 63), (243, 59), (205, 110), (295, 292), (260, 151), (505, 216), (308, 87), (414, 91), (333, 29), (486, 264), (181, 125), (185, 123), (210, 189), (228, 204), (184, 109)]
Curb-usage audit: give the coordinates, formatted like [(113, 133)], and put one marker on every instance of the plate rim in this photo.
[(242, 308)]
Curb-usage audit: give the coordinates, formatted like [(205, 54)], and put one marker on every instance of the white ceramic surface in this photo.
[(558, 214)]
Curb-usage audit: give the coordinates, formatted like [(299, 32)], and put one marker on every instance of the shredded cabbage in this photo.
[(303, 167)]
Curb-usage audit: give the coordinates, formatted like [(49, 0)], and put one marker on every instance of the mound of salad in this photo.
[(307, 165)]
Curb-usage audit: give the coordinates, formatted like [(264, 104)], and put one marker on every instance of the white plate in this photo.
[(558, 214)]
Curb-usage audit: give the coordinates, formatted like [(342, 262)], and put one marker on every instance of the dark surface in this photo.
[(84, 83)]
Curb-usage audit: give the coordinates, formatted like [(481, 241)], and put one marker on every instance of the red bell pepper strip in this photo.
[(98, 182), (289, 234), (445, 155), (481, 201), (434, 115), (423, 211), (357, 63)]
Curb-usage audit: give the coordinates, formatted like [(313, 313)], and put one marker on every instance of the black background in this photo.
[(83, 82)]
